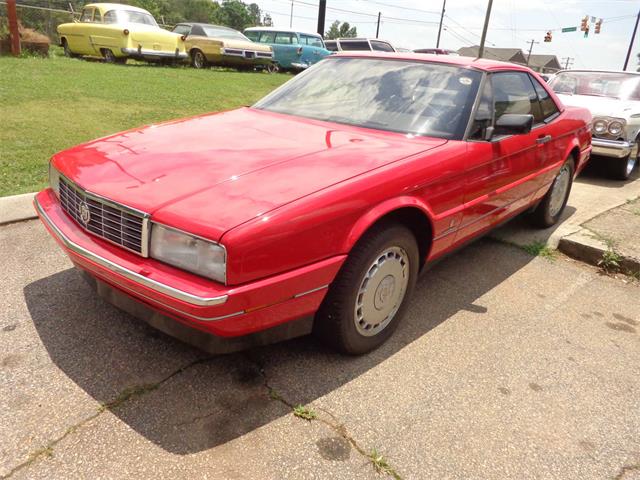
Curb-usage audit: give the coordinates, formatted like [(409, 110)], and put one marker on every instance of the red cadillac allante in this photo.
[(316, 208)]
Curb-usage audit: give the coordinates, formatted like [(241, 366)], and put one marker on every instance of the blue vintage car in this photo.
[(292, 50)]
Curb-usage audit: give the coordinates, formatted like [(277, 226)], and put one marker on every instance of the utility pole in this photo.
[(568, 62), (322, 12), (484, 29), (444, 4), (378, 27), (633, 37), (531, 42), (291, 16)]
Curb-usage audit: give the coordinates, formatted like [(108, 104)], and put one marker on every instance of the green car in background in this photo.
[(292, 50)]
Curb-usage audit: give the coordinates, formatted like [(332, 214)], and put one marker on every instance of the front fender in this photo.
[(374, 214)]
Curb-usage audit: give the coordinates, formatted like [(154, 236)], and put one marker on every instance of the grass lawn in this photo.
[(47, 105)]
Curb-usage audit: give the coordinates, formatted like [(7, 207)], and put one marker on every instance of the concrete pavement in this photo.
[(17, 208), (506, 366)]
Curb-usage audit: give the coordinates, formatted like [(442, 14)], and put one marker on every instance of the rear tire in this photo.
[(550, 208), (368, 298), (622, 168), (109, 56), (272, 68), (198, 60)]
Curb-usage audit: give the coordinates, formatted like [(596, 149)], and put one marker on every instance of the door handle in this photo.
[(542, 139)]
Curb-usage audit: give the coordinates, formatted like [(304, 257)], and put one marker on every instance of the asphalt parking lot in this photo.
[(506, 366)]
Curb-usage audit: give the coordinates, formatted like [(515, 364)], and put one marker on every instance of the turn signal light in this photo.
[(126, 31), (183, 37)]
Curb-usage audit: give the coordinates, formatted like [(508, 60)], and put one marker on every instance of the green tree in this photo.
[(337, 30), (235, 14)]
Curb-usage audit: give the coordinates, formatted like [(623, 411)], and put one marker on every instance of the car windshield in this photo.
[(623, 86), (401, 96), (224, 33), (132, 16)]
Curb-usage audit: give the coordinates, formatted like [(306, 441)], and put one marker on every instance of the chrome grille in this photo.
[(116, 223)]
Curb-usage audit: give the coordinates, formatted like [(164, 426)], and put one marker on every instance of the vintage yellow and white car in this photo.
[(217, 45), (116, 32)]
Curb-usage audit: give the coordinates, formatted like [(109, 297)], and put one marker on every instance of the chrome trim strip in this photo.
[(125, 272), (302, 294), (153, 53)]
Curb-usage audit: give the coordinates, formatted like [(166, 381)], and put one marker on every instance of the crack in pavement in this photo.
[(123, 397), (626, 469), (374, 458)]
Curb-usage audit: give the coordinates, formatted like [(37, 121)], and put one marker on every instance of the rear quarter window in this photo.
[(355, 45)]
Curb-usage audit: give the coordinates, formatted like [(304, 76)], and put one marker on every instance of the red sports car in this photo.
[(316, 208)]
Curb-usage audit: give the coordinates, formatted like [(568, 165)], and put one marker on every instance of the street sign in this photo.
[(569, 29)]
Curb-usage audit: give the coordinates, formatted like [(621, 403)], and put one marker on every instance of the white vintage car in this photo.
[(614, 101)]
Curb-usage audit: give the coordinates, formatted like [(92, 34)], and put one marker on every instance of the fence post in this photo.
[(13, 27)]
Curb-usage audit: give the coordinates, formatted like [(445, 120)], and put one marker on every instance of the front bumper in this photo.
[(227, 311), (154, 54), (611, 148)]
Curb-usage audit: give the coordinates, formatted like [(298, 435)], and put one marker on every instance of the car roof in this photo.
[(115, 6), (192, 24), (459, 61), (284, 30), (597, 71)]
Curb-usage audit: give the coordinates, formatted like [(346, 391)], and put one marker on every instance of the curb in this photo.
[(17, 208), (585, 247)]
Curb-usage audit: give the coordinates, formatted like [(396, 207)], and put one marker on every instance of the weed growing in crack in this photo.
[(305, 413), (540, 249), (610, 261), (381, 465)]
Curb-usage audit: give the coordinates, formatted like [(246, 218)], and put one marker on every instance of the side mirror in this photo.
[(513, 124)]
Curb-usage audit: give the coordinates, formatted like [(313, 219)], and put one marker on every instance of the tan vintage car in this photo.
[(216, 45), (116, 32)]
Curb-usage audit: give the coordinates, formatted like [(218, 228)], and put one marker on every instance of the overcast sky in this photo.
[(414, 24)]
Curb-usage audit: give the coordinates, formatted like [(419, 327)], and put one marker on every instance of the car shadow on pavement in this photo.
[(185, 401), (595, 173)]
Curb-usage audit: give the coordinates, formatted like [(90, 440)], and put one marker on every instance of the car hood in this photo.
[(210, 173), (602, 106)]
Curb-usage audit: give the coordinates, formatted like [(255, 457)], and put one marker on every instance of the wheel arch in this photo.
[(573, 151), (407, 211)]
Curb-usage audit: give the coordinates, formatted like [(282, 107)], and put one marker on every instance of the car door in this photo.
[(312, 49), (78, 41), (550, 146), (497, 170), (286, 48)]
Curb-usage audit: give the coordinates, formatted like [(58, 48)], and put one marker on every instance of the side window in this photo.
[(331, 45), (198, 31), (267, 37), (381, 46), (311, 41), (514, 93), (110, 17), (484, 115), (548, 106), (284, 38), (87, 15), (252, 35), (180, 29), (97, 18)]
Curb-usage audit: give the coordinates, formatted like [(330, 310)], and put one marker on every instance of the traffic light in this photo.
[(584, 25), (547, 37), (598, 26)]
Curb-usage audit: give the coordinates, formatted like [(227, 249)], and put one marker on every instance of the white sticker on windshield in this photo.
[(465, 80)]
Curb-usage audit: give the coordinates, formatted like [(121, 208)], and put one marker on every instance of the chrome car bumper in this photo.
[(138, 52), (246, 54), (611, 148)]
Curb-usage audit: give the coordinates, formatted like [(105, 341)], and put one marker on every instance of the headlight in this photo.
[(615, 127), (188, 252), (600, 126), (54, 179)]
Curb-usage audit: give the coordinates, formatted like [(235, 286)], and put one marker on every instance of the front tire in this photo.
[(67, 51), (109, 56), (368, 298), (622, 168), (550, 208)]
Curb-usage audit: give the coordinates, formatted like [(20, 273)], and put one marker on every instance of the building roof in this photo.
[(546, 61), (514, 55)]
